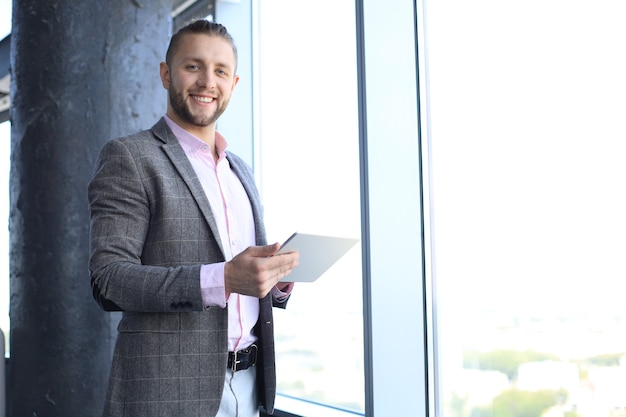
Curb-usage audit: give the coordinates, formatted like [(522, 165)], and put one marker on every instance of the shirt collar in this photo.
[(192, 143)]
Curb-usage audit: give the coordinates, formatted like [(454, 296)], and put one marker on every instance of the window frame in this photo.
[(394, 149)]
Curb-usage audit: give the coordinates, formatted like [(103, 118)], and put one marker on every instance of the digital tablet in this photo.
[(317, 254)]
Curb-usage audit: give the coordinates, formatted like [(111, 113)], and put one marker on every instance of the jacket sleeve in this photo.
[(121, 210)]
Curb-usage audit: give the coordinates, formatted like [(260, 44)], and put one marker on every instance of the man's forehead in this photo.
[(201, 46)]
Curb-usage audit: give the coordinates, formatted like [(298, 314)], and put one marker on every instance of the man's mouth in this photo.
[(203, 99)]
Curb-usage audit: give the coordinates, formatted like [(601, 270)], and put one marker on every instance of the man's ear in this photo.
[(235, 81), (164, 70)]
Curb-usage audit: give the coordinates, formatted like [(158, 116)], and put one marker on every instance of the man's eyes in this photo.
[(219, 71)]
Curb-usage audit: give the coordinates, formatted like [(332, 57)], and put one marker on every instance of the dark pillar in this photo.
[(82, 72)]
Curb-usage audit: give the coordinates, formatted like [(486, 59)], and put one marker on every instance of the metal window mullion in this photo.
[(393, 229)]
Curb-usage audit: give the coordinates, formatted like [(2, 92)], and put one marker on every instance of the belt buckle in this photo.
[(233, 365), (248, 350), (256, 352)]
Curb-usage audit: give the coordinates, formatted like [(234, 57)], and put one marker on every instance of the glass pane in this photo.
[(309, 178), (528, 149)]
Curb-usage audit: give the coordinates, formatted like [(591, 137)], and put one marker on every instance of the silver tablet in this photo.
[(317, 254)]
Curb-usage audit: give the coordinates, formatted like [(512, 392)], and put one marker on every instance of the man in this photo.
[(178, 244)]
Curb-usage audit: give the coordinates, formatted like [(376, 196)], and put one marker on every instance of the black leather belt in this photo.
[(242, 359)]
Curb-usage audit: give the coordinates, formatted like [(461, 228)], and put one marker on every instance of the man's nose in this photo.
[(206, 79)]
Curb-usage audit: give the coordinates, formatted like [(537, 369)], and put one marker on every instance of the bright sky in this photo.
[(527, 110), (5, 18)]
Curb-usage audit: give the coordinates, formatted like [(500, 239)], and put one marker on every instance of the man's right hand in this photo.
[(256, 270)]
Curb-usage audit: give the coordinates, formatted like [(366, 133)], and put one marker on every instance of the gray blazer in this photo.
[(151, 230)]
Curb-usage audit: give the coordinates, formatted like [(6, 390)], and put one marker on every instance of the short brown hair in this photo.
[(199, 27)]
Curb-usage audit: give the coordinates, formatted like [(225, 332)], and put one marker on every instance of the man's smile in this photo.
[(202, 99)]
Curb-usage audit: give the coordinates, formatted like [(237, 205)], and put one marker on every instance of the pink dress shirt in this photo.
[(233, 214)]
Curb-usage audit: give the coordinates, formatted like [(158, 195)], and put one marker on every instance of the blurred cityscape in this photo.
[(579, 359), (543, 366)]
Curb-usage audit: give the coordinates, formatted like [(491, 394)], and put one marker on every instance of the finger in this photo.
[(286, 268)]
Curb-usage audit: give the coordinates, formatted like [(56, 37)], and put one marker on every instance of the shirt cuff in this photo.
[(212, 285), (284, 294)]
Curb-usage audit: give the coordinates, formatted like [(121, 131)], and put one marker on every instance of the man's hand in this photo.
[(255, 271)]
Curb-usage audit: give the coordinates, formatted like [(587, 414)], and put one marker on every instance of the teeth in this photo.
[(204, 99)]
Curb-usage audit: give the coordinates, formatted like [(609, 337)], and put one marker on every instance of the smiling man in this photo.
[(179, 246), (200, 76)]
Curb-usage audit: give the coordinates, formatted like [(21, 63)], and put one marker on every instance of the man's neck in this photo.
[(205, 133)]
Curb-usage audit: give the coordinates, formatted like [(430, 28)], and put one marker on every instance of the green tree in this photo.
[(457, 405), (607, 359), (518, 403)]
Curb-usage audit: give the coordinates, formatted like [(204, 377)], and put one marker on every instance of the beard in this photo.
[(182, 109)]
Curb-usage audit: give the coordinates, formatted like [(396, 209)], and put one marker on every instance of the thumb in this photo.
[(264, 251)]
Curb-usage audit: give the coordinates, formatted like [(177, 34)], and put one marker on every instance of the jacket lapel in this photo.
[(177, 156)]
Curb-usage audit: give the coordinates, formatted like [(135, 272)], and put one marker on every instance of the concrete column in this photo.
[(81, 73)]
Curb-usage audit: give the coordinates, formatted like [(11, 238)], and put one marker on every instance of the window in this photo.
[(527, 105), (309, 178), (354, 99)]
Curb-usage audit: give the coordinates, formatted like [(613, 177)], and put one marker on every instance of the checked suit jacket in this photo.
[(151, 230)]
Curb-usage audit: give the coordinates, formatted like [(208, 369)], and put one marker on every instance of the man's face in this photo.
[(200, 80)]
